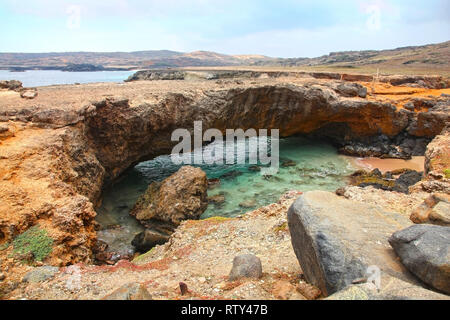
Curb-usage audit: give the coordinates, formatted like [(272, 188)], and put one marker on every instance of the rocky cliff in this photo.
[(58, 150)]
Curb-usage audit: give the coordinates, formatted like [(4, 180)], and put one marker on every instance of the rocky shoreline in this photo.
[(58, 150)]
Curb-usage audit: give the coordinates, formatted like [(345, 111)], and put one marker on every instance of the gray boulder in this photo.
[(40, 274), (424, 250), (245, 266), (391, 288), (336, 240)]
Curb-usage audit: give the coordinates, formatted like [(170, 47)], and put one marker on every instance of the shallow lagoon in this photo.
[(304, 165)]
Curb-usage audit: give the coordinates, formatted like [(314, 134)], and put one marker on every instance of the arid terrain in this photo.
[(62, 145), (427, 60)]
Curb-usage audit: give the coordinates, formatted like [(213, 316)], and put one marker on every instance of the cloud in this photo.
[(278, 28)]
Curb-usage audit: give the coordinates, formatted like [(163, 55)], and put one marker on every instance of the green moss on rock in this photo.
[(34, 241)]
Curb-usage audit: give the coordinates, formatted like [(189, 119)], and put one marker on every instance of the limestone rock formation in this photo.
[(181, 196), (437, 164), (425, 251), (336, 240), (57, 155)]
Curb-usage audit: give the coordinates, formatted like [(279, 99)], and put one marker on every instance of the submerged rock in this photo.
[(248, 203), (231, 174), (181, 196), (213, 183), (425, 251), (246, 266), (336, 240), (217, 199), (288, 163)]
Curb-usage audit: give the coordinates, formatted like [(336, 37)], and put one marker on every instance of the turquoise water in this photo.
[(313, 165), (36, 78)]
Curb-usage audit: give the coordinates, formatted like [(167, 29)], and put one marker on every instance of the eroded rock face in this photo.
[(50, 177), (58, 150), (435, 210), (437, 165), (336, 240), (182, 196), (425, 251)]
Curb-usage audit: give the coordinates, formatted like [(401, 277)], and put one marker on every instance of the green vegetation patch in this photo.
[(281, 228), (35, 241), (447, 173)]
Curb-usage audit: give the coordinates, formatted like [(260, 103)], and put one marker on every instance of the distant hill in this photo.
[(429, 57), (123, 60)]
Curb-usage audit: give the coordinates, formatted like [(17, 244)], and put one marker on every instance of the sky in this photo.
[(276, 28)]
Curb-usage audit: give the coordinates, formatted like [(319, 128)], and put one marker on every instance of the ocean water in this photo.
[(313, 165), (37, 78)]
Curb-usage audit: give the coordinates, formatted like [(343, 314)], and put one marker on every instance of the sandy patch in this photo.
[(416, 163)]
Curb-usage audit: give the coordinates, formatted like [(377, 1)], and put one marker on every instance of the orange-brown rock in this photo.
[(59, 149), (430, 212), (437, 165), (182, 196)]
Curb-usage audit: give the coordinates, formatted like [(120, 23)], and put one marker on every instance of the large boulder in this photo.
[(391, 288), (182, 196), (336, 240), (425, 251)]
